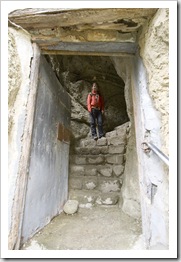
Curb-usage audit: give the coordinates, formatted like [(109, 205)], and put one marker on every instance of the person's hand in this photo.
[(102, 111)]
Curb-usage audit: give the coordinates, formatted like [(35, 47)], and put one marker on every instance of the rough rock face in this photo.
[(154, 43), (76, 74), (14, 78), (53, 29), (130, 188)]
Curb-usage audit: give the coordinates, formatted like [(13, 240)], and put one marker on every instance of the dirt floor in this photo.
[(97, 228)]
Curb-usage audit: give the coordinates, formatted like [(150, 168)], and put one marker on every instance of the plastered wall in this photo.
[(154, 51), (152, 177), (154, 102), (19, 44), (145, 188)]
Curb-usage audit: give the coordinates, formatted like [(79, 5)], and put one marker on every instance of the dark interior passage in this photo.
[(76, 74)]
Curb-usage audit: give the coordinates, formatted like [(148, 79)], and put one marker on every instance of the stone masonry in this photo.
[(97, 167)]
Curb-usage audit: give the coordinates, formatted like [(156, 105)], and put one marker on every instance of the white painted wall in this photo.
[(152, 175), (144, 172)]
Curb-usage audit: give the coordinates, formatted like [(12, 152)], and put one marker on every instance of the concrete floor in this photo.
[(97, 228)]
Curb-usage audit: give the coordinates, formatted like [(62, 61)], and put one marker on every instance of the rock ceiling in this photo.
[(83, 31)]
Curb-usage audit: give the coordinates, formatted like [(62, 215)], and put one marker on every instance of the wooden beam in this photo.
[(103, 48), (60, 52)]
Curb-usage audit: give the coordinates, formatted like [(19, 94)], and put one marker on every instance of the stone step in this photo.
[(96, 150), (115, 137), (91, 198), (107, 170), (101, 184), (96, 169), (104, 141), (115, 159)]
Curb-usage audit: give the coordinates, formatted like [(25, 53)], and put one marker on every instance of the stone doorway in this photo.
[(104, 161), (121, 44), (100, 164)]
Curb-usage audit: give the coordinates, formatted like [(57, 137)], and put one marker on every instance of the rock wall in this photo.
[(130, 188), (76, 74), (154, 50)]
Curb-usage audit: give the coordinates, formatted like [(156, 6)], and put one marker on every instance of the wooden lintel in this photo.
[(61, 52), (95, 47)]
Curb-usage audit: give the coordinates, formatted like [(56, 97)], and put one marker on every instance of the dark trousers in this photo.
[(96, 119)]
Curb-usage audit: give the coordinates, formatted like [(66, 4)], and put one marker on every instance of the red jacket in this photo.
[(94, 100)]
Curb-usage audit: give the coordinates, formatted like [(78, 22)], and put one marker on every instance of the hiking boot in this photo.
[(95, 138)]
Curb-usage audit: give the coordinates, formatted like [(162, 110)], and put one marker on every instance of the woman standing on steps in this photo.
[(95, 106)]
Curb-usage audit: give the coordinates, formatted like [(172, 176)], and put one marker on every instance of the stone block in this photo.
[(118, 170), (102, 141), (95, 160), (98, 150), (90, 183), (105, 171), (110, 185), (75, 183), (115, 159), (123, 129), (104, 150), (82, 151), (76, 170), (80, 160), (116, 149), (117, 140), (107, 199), (94, 150), (90, 171), (111, 134), (111, 159), (84, 196), (88, 143)]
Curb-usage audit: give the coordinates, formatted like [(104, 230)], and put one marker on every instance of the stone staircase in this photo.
[(96, 168)]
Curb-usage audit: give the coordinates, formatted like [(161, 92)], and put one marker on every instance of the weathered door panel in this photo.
[(47, 187)]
